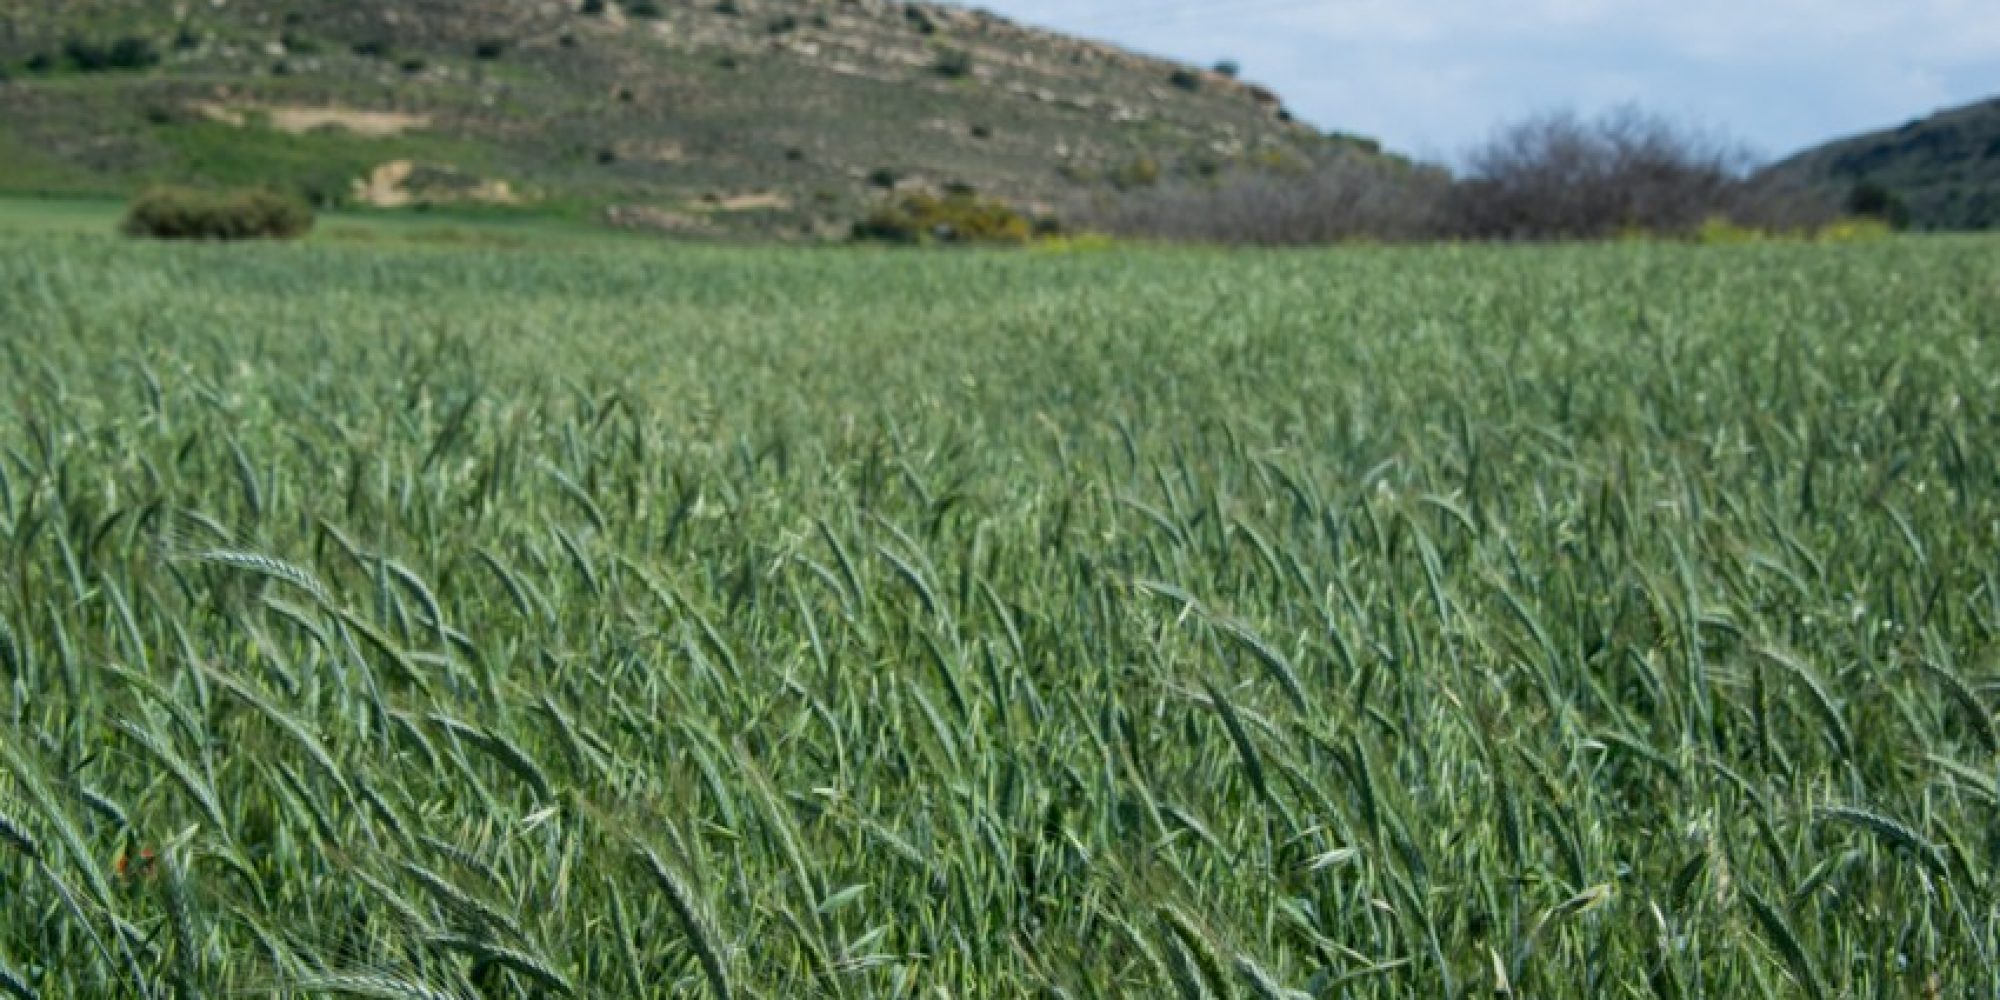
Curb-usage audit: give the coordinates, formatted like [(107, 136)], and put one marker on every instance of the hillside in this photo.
[(1944, 169), (784, 117)]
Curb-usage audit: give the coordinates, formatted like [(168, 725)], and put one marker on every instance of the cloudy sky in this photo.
[(1431, 77)]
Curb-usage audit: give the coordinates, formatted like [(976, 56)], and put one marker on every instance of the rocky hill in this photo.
[(1940, 172), (781, 117)]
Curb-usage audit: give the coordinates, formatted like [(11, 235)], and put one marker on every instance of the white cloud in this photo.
[(1434, 75)]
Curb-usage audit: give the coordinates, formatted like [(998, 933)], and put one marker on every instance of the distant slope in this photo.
[(1945, 168), (780, 116)]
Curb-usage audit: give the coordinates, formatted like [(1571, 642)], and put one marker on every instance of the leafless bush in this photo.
[(1553, 176), (1777, 205), (1348, 197), (1560, 176)]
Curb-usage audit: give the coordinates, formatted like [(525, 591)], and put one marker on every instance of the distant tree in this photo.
[(1228, 68), (645, 9), (952, 63), (85, 55), (130, 52), (593, 8), (1185, 79)]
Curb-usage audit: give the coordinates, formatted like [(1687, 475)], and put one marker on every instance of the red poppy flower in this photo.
[(145, 865)]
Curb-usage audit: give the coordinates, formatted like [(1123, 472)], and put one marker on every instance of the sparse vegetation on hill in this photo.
[(1940, 172), (582, 106)]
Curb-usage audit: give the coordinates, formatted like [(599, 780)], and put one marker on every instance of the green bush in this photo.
[(1871, 200), (133, 53), (952, 63), (950, 218), (187, 214), (128, 53), (1140, 172), (1185, 79)]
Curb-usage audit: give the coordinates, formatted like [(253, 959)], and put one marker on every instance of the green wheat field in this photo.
[(632, 621)]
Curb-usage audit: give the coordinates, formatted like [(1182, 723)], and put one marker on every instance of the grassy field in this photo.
[(647, 621)]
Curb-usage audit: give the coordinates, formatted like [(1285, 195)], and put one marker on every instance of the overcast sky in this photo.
[(1430, 77)]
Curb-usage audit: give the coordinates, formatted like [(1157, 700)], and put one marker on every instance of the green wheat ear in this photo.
[(1782, 937), (693, 924)]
